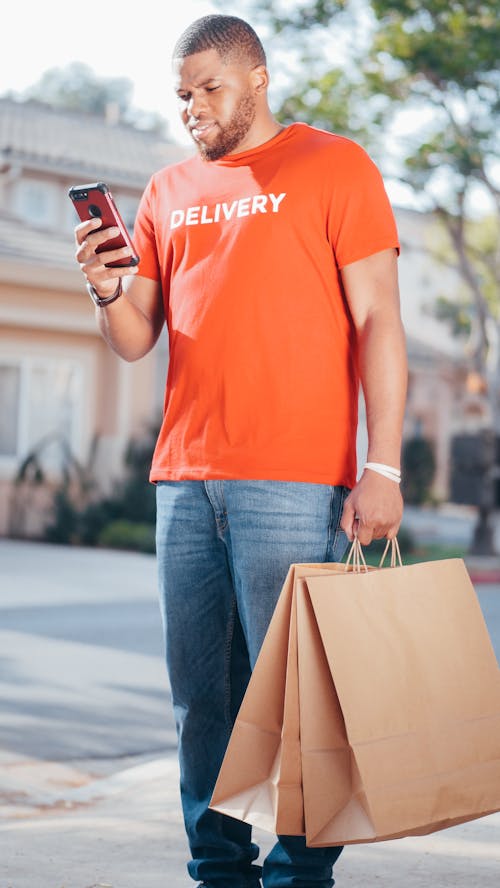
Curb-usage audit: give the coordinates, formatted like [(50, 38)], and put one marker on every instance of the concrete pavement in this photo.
[(126, 832), (115, 822)]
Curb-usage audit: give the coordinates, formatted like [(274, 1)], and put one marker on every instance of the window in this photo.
[(40, 404), (36, 202)]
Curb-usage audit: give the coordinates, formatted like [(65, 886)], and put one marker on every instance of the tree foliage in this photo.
[(76, 87), (443, 58), (420, 87), (286, 16)]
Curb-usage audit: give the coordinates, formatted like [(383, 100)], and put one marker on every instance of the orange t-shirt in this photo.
[(262, 379)]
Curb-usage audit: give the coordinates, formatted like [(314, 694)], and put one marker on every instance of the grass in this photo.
[(430, 552)]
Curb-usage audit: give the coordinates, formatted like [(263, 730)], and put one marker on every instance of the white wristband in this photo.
[(387, 471)]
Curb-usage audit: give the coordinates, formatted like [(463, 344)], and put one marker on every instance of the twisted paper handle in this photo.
[(395, 554), (356, 558)]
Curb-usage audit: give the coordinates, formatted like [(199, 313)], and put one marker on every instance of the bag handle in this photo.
[(395, 553), (356, 558)]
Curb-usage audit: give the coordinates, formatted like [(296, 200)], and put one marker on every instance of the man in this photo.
[(271, 256)]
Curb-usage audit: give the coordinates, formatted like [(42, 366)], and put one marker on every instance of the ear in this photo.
[(259, 78)]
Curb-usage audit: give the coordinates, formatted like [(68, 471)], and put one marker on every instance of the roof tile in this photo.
[(75, 143)]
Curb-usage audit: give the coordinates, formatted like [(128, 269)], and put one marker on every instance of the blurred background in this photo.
[(87, 98)]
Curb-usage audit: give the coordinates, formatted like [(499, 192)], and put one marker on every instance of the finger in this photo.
[(103, 235), (84, 228), (94, 239), (348, 519), (364, 534), (387, 530), (118, 255), (392, 532), (89, 247)]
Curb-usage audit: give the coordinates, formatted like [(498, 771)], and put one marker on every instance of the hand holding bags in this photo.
[(374, 708)]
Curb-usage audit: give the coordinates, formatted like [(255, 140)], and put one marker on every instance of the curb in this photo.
[(485, 576), (57, 788), (157, 769)]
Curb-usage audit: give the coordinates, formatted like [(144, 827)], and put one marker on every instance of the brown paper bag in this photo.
[(387, 682), (260, 780)]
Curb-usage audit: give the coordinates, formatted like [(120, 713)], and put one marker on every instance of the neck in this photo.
[(263, 130)]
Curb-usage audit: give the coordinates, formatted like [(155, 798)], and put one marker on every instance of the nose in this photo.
[(196, 106)]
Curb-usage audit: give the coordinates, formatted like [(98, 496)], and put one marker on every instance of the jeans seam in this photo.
[(227, 667), (220, 514)]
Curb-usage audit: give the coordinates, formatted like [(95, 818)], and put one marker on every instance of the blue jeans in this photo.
[(223, 550)]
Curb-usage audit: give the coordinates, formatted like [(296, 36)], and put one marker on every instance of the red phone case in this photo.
[(96, 201)]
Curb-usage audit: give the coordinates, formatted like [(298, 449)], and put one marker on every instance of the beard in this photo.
[(232, 133)]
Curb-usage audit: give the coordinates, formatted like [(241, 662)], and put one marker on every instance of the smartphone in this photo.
[(95, 201)]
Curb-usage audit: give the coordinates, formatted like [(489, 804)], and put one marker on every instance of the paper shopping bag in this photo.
[(387, 682), (260, 779)]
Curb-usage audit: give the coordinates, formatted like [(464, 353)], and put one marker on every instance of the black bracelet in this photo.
[(98, 300)]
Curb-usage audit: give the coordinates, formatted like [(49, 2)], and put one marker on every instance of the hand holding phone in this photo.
[(95, 201)]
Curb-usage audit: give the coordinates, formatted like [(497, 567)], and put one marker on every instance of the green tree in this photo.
[(76, 87), (423, 84)]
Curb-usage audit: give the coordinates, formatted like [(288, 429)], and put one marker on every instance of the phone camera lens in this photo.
[(94, 211)]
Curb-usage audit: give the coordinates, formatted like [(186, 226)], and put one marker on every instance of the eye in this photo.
[(212, 89), (183, 97)]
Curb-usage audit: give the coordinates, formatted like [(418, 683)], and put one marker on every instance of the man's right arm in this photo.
[(132, 323)]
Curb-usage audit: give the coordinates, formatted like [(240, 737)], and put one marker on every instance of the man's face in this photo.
[(217, 103)]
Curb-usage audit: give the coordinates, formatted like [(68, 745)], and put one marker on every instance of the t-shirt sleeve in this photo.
[(144, 235), (361, 220)]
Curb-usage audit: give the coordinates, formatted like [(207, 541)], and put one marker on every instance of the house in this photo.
[(445, 399), (63, 393), (61, 388)]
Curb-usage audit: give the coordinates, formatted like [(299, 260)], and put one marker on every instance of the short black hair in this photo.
[(232, 37)]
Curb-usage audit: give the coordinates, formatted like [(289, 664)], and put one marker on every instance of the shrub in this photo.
[(81, 516), (128, 535), (65, 524), (419, 466)]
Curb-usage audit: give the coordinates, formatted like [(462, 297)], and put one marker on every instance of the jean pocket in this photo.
[(337, 539)]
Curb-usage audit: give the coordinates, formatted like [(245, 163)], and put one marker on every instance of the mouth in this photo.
[(201, 130)]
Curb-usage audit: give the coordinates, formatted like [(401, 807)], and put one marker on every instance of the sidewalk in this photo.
[(125, 831)]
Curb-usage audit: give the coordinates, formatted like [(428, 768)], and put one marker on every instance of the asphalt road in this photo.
[(81, 653), (82, 674)]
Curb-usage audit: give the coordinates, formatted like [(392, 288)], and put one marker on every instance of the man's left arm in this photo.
[(375, 506)]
